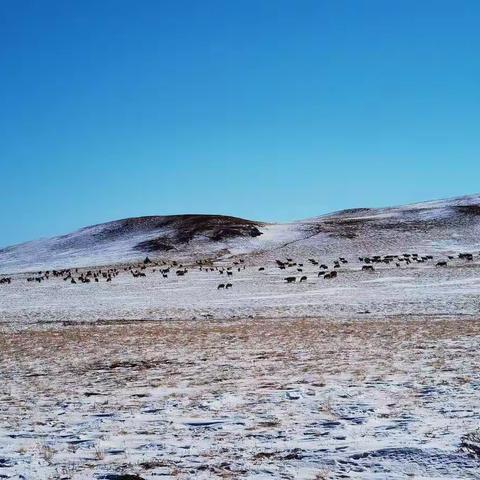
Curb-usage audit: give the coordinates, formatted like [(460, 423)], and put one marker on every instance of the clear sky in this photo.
[(271, 110)]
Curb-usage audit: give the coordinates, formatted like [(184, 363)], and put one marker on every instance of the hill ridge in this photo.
[(446, 225)]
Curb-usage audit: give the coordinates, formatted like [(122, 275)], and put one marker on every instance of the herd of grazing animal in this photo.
[(368, 264), (139, 270), (323, 272)]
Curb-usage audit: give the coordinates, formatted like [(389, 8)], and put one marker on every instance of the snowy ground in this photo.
[(372, 375), (414, 289), (266, 399)]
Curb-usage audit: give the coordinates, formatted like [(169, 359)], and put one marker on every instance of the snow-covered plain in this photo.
[(369, 375), (420, 289), (265, 399)]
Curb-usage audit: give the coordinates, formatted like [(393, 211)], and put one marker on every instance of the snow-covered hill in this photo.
[(436, 226)]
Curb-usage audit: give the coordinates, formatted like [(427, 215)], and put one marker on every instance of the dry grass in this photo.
[(199, 364)]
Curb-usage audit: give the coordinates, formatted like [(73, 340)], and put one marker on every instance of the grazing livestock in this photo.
[(140, 269), (138, 274), (330, 275), (35, 279)]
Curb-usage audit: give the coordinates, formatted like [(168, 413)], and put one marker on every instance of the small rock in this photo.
[(293, 395), (470, 444)]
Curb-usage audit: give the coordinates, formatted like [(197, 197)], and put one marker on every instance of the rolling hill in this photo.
[(438, 226)]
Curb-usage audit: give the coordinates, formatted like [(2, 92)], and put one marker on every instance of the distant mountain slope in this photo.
[(129, 239), (446, 225)]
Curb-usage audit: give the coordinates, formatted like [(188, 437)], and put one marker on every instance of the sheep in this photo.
[(329, 275), (368, 268)]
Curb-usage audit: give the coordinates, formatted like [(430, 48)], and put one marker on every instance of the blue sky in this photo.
[(271, 110)]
